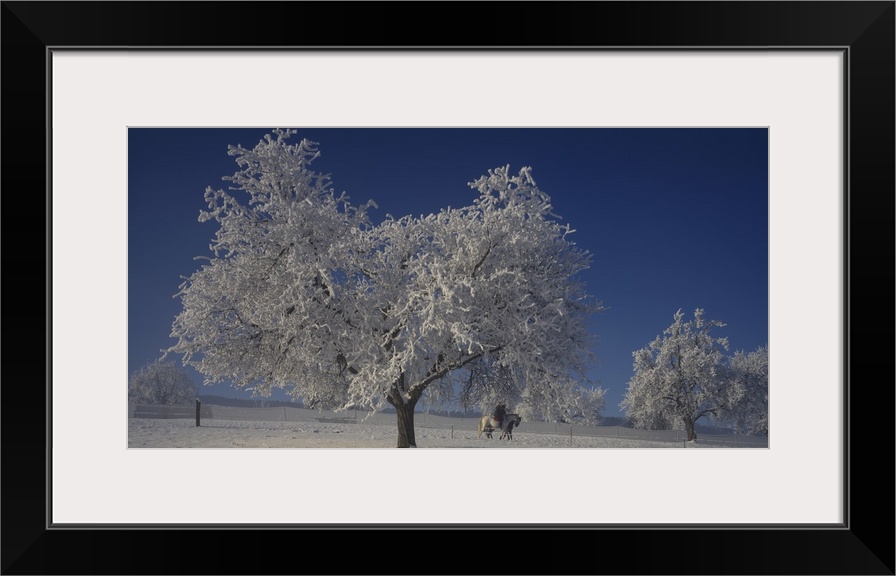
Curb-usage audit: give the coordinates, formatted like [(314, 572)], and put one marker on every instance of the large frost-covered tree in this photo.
[(748, 375), (679, 377), (160, 383), (303, 292)]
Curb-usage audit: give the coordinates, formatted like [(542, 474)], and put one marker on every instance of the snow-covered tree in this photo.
[(589, 407), (303, 292), (748, 375), (679, 377), (160, 383), (567, 401)]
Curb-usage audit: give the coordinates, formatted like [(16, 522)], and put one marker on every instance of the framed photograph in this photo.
[(818, 76)]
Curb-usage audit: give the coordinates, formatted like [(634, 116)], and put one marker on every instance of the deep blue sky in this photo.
[(674, 218)]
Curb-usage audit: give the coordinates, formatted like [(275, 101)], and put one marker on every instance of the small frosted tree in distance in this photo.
[(679, 377), (160, 382), (589, 407), (748, 375), (303, 292)]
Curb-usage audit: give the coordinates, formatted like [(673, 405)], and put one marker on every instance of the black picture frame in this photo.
[(864, 544)]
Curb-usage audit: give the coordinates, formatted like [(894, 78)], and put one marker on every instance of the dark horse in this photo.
[(513, 420), (488, 424)]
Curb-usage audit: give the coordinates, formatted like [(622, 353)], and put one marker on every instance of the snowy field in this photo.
[(348, 433)]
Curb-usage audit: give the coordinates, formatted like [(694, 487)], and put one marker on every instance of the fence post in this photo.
[(452, 432), (570, 435), (198, 408)]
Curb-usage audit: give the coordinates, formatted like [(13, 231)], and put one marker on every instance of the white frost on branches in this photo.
[(748, 381), (304, 293), (160, 383), (679, 377)]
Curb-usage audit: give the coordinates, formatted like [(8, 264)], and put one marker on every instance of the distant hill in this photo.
[(699, 428), (615, 421), (248, 402), (706, 429)]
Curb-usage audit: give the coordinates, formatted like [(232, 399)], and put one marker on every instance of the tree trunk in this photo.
[(405, 411), (689, 428)]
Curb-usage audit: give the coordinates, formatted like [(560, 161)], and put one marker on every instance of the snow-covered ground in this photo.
[(316, 433)]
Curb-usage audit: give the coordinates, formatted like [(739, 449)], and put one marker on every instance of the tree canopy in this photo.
[(160, 383), (748, 379), (304, 292), (678, 377)]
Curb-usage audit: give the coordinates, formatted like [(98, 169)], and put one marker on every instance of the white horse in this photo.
[(488, 424)]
